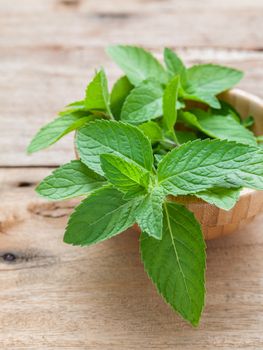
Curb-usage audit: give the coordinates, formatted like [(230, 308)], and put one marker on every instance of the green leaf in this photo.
[(103, 137), (143, 103), (215, 125), (174, 65), (102, 215), (152, 130), (70, 180), (204, 98), (119, 93), (125, 175), (55, 130), (77, 107), (176, 264), (169, 103), (137, 63), (97, 94), (149, 215), (208, 80), (199, 165), (185, 136), (224, 198), (248, 122)]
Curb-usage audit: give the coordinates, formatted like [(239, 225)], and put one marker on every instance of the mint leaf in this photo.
[(224, 198), (143, 103), (152, 130), (174, 65), (77, 108), (169, 103), (215, 125), (208, 80), (137, 63), (70, 180), (176, 264), (119, 93), (55, 130), (103, 137), (102, 215), (97, 94), (125, 175), (199, 165), (149, 215), (248, 122), (185, 136)]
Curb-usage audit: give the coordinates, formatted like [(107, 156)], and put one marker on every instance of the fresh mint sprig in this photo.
[(143, 142)]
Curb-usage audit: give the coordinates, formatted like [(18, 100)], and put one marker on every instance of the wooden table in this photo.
[(54, 296)]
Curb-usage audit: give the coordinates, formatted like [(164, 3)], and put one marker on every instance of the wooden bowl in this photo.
[(218, 222)]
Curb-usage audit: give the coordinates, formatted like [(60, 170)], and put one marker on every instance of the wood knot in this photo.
[(9, 257)]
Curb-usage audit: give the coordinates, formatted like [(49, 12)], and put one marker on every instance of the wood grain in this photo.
[(50, 49), (55, 296)]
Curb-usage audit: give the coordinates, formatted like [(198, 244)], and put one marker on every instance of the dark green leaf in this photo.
[(199, 165), (176, 264), (102, 215)]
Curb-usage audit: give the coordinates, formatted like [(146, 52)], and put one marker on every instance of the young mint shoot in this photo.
[(144, 143)]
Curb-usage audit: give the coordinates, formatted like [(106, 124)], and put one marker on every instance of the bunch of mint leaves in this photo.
[(141, 144)]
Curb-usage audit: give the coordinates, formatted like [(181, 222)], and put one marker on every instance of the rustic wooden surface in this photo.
[(55, 296)]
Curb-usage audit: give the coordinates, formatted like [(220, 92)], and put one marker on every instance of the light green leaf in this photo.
[(204, 98), (174, 65), (126, 176), (119, 93), (176, 264), (103, 137), (102, 215), (152, 130), (208, 80), (77, 107), (55, 130), (137, 63), (97, 94), (224, 198), (70, 180), (143, 103), (215, 125), (149, 215), (169, 103), (199, 165)]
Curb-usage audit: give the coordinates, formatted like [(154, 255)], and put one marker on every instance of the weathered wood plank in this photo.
[(50, 48), (54, 296), (170, 22), (42, 82)]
